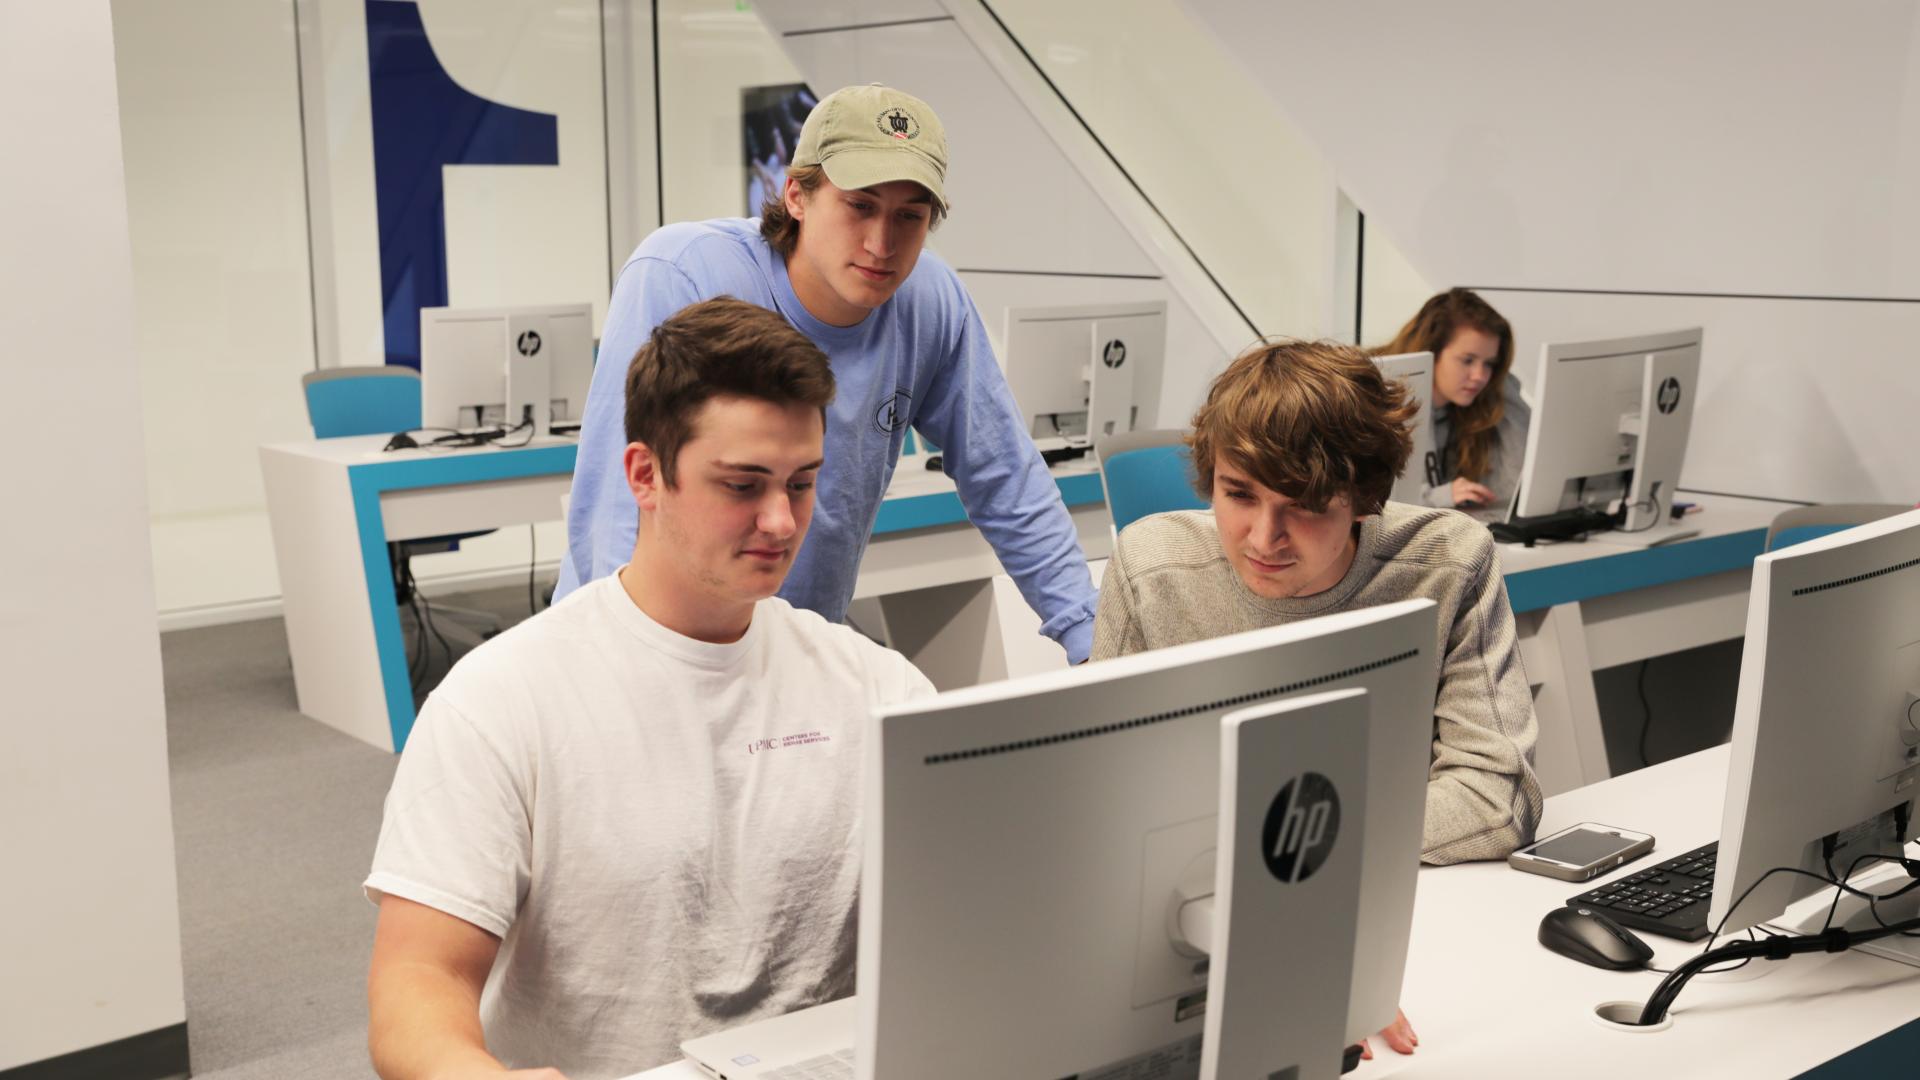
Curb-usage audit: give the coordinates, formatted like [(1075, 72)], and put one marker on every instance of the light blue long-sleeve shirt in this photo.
[(922, 358)]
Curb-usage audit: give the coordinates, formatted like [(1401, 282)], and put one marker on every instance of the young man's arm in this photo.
[(456, 837), (1483, 799), (423, 996), (1009, 495)]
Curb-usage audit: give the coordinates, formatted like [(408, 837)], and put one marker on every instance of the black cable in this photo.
[(1774, 947), (426, 608), (1712, 971), (1872, 899), (1646, 710), (420, 634), (1651, 502), (533, 548), (526, 424)]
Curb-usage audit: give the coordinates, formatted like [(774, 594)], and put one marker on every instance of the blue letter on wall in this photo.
[(423, 120)]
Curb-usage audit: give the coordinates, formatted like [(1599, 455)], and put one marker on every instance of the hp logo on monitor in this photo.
[(1114, 354), (528, 344), (1668, 399), (1302, 825)]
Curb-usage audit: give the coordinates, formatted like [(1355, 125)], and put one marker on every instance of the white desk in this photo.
[(1489, 1002), (1586, 606), (336, 503)]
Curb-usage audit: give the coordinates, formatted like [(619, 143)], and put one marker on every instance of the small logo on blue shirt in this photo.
[(893, 412)]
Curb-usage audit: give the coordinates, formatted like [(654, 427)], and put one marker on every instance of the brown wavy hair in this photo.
[(1311, 420), (1474, 427), (713, 348), (779, 228)]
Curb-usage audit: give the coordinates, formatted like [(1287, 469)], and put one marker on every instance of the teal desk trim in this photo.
[(1549, 586), (930, 511), (1892, 1054), (367, 483)]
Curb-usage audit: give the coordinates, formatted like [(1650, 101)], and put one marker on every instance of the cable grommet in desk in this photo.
[(1624, 1016)]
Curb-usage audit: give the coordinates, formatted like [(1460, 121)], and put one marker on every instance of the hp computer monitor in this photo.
[(1825, 764), (1610, 428), (484, 367), (1415, 372), (1072, 369), (1025, 841)]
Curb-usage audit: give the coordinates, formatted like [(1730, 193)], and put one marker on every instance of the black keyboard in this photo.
[(1670, 899)]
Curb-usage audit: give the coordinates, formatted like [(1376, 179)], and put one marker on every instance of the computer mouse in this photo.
[(1585, 935), (934, 463), (401, 441)]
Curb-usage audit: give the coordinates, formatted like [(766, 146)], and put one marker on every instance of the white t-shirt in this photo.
[(664, 833)]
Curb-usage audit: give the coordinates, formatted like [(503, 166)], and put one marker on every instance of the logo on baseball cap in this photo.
[(868, 135)]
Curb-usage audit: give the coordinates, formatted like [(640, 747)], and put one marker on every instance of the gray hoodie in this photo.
[(1509, 452)]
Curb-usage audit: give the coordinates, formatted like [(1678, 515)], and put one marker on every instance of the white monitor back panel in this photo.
[(463, 365), (1025, 839), (1293, 780), (1415, 372), (1822, 735), (1587, 406), (1123, 346), (570, 361), (1669, 383)]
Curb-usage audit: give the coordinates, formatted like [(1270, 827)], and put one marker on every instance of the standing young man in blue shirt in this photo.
[(839, 256)]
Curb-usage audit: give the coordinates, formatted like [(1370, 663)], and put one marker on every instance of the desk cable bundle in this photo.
[(495, 436), (1779, 947)]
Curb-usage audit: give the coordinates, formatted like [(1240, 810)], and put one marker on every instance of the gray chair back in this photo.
[(1803, 523)]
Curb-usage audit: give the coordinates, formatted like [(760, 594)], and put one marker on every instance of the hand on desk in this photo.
[(1468, 493), (1398, 1035)]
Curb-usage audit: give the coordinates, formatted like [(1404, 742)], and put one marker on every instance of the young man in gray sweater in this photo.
[(1297, 448)]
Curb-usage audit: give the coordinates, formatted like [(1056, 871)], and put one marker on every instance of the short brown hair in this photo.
[(781, 230), (719, 347), (1311, 420), (1475, 426)]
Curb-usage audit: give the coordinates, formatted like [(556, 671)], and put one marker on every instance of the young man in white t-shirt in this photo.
[(635, 818)]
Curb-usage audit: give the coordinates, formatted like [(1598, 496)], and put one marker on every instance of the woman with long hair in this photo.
[(1479, 419)]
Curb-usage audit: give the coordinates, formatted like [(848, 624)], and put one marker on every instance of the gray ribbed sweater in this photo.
[(1169, 583)]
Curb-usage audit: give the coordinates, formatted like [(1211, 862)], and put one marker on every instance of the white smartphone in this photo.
[(1583, 851)]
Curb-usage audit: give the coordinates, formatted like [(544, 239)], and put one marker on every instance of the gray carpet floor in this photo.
[(275, 818)]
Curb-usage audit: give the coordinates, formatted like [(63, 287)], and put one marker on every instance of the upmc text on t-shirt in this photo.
[(787, 741)]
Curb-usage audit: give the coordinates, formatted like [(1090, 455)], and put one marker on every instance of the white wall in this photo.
[(1621, 159), (1231, 174), (710, 50), (209, 108), (89, 915), (217, 193)]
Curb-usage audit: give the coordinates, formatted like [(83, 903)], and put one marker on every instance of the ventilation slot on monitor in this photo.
[(1175, 714), (1855, 579)]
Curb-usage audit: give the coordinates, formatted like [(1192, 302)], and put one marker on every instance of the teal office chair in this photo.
[(382, 400), (1145, 472), (362, 400), (1804, 523)]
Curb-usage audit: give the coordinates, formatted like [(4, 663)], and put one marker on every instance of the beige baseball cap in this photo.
[(867, 135)]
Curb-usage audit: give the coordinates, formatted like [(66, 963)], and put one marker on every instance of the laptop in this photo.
[(810, 1044)]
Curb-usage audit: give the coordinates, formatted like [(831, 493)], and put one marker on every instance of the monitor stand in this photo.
[(1809, 916)]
